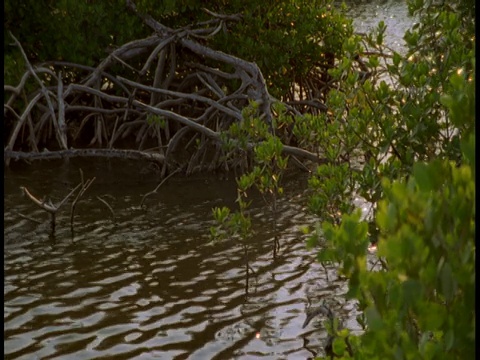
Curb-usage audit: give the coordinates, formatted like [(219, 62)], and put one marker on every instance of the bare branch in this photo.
[(236, 115), (66, 197), (123, 53), (13, 136), (62, 126), (29, 218), (41, 204), (45, 92), (155, 53), (107, 205)]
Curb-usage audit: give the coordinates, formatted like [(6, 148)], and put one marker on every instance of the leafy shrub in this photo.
[(421, 305)]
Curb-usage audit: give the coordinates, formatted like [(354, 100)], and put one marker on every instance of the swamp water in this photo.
[(148, 283)]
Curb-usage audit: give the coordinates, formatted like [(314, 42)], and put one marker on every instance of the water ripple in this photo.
[(149, 284)]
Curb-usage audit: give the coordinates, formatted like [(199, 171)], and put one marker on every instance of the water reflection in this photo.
[(150, 285)]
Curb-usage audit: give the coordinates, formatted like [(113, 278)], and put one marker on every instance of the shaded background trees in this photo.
[(288, 40)]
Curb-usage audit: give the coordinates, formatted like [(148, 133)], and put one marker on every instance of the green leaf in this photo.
[(374, 320), (339, 346), (412, 291), (387, 217), (423, 176), (326, 255), (448, 284), (468, 151), (457, 81), (449, 339), (396, 59), (431, 315), (446, 100)]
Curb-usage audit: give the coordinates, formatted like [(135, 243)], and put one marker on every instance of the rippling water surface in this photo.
[(148, 283)]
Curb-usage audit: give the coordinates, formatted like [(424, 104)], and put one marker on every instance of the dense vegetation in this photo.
[(395, 129)]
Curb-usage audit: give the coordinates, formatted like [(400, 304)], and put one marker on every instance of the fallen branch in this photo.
[(62, 154)]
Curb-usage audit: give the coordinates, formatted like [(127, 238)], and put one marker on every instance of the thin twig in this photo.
[(29, 218), (155, 191), (85, 186), (66, 197), (107, 205), (50, 208)]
